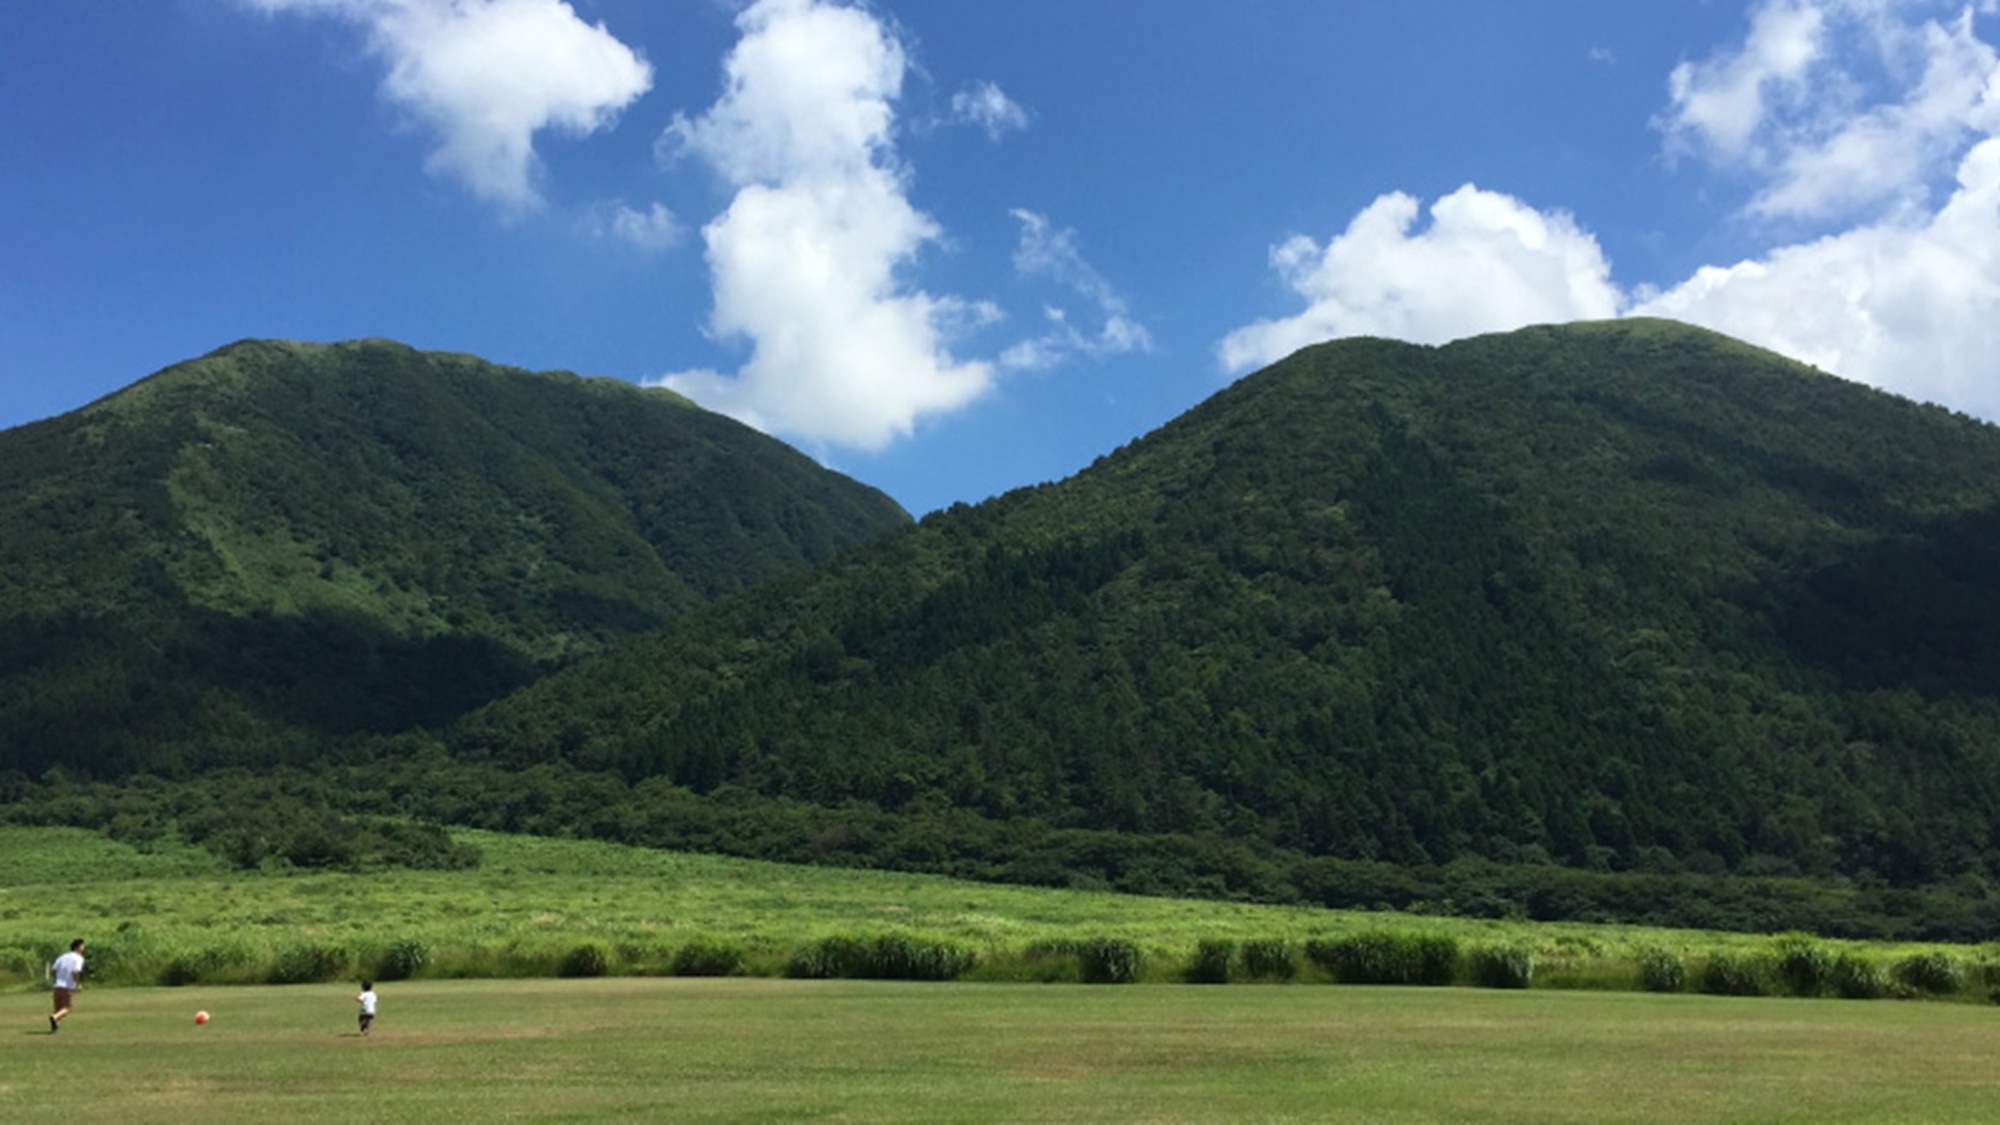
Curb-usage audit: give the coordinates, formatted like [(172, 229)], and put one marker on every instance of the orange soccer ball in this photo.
[(201, 1017)]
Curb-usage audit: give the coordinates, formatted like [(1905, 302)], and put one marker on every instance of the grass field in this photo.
[(754, 1049), (638, 1045)]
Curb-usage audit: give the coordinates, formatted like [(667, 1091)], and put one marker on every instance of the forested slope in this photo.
[(1624, 597), (244, 557)]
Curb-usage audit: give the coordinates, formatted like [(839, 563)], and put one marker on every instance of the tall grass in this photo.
[(1501, 966), (1661, 970), (1388, 957), (883, 957), (1211, 962), (1269, 959)]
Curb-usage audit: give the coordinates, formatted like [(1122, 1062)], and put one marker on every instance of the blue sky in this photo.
[(952, 247)]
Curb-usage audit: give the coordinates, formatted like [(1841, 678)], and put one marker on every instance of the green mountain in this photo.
[(1623, 597), (244, 557)]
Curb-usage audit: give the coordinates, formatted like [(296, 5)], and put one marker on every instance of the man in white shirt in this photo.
[(69, 975)]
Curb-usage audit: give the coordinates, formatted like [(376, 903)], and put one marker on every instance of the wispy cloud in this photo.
[(487, 75), (988, 107), (652, 229), (1046, 252), (806, 258)]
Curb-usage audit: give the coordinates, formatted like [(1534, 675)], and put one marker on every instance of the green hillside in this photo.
[(1625, 597), (250, 554)]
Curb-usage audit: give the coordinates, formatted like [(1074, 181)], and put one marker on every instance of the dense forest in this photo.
[(1622, 620), (1622, 597), (242, 556)]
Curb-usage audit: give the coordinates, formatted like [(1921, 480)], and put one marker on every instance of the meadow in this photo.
[(749, 1049), (538, 907)]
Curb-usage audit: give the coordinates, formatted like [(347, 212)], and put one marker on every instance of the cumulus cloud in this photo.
[(989, 108), (805, 260), (487, 75), (1044, 251), (1486, 262)]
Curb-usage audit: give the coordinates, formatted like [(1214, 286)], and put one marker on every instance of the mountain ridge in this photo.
[(367, 498)]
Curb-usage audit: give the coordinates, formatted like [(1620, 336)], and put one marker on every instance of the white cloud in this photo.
[(1861, 110), (487, 75), (806, 258), (1487, 262), (1909, 303), (988, 107), (1044, 251), (1840, 105), (1721, 106)]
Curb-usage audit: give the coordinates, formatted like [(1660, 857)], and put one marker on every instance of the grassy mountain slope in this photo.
[(246, 553), (1626, 596)]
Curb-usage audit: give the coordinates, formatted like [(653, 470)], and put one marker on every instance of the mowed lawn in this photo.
[(759, 1049)]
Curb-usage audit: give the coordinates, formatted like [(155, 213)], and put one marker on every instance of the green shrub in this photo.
[(1934, 973), (1109, 961), (1731, 974), (402, 960), (1211, 962), (1803, 965), (1268, 960), (706, 959), (889, 957), (1661, 970), (1853, 977), (308, 964), (1501, 966), (586, 960), (1387, 957)]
